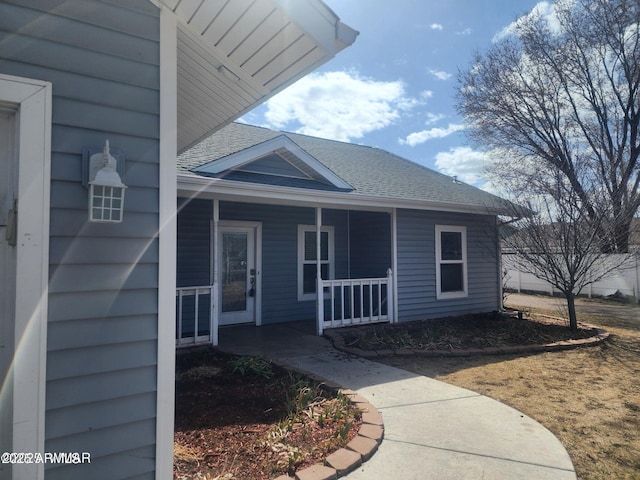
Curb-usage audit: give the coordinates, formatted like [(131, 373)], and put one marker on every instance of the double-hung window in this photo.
[(307, 259), (451, 262)]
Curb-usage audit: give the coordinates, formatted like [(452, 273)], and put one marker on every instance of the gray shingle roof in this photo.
[(371, 171)]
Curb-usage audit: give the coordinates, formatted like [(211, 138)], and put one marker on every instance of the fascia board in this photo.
[(320, 22), (250, 154), (240, 191)]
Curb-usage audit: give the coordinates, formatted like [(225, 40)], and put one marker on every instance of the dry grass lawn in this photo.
[(589, 397)]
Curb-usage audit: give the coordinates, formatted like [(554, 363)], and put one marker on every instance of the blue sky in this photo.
[(394, 87)]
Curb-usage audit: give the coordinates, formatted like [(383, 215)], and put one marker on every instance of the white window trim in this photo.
[(458, 294), (301, 231), (33, 99)]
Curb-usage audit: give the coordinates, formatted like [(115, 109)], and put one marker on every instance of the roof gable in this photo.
[(280, 157), (374, 176)]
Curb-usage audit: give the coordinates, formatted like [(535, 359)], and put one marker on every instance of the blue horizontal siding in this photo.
[(100, 331), (106, 304), (76, 31), (101, 414), (94, 359), (102, 59), (194, 242), (119, 452), (416, 275), (71, 85), (91, 388), (81, 250), (95, 116), (67, 222)]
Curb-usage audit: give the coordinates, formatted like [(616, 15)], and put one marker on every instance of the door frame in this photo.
[(257, 228), (33, 101)]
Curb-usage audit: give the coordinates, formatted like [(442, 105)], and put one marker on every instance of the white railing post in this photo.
[(390, 296), (214, 314), (196, 316), (179, 317), (320, 306)]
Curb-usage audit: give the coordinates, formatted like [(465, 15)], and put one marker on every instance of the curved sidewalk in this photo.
[(433, 430)]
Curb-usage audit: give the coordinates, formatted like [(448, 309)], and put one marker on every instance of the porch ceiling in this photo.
[(233, 55)]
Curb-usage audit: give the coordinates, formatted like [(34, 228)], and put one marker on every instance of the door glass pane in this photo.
[(233, 272)]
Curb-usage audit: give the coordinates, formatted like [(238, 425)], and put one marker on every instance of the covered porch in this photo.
[(249, 263)]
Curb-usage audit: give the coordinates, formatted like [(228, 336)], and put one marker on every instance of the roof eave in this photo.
[(226, 69), (191, 185)]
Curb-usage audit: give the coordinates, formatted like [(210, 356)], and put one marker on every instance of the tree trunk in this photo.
[(571, 305)]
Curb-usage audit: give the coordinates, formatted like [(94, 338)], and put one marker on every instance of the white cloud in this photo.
[(463, 162), (439, 74), (545, 10), (466, 31), (433, 118), (338, 105), (436, 26), (417, 138)]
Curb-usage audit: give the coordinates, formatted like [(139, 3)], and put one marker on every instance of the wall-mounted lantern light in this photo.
[(106, 190)]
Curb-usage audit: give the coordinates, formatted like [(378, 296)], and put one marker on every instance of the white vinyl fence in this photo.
[(624, 281)]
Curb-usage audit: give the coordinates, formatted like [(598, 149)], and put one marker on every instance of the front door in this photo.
[(237, 274)]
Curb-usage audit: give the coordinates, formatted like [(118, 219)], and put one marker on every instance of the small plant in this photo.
[(342, 432), (257, 366), (301, 396)]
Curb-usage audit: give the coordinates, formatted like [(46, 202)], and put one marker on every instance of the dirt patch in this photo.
[(244, 418)]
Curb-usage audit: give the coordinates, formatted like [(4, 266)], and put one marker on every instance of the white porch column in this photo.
[(394, 262), (215, 274), (319, 289), (167, 245)]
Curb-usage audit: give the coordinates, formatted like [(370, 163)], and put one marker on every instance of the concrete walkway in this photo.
[(433, 430)]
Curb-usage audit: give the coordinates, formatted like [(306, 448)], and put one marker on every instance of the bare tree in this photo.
[(561, 243), (565, 96)]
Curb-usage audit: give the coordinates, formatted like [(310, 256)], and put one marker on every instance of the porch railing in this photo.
[(194, 315), (355, 302)]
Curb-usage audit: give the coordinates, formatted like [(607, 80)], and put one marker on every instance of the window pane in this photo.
[(324, 247), (451, 278), (309, 278), (324, 269), (309, 245), (451, 245)]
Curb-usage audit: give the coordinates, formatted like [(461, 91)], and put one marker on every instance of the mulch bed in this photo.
[(470, 332), (230, 424)]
